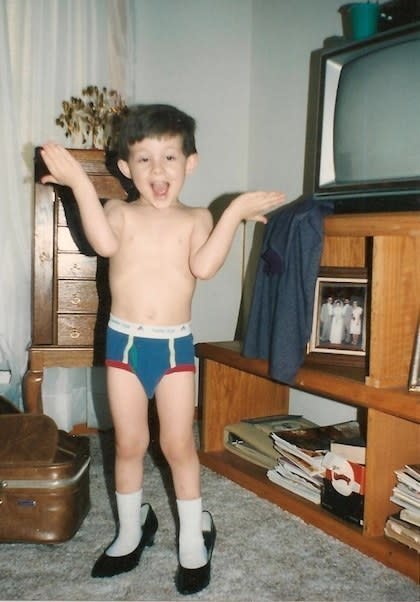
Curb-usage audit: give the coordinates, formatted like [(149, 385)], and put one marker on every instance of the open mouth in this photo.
[(160, 189)]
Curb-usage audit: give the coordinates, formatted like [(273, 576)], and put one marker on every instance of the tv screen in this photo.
[(368, 142)]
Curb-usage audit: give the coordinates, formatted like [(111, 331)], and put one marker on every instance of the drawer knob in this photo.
[(44, 256), (75, 334), (75, 300), (75, 268)]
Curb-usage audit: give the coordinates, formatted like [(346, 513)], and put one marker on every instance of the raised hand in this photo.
[(64, 169), (253, 206)]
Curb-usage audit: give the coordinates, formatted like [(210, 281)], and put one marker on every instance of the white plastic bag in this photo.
[(10, 378), (64, 396)]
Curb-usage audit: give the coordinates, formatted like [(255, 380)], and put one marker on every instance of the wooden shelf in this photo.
[(233, 387), (345, 384), (363, 225)]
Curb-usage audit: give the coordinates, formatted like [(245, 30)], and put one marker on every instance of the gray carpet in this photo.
[(261, 553)]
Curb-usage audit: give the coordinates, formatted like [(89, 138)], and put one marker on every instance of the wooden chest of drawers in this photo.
[(77, 297), (70, 297)]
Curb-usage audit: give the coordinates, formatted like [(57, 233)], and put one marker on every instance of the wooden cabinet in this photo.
[(70, 297), (233, 387)]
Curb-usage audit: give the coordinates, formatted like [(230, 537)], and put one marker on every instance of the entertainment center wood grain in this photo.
[(232, 387)]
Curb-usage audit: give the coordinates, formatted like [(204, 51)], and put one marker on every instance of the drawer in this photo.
[(75, 330), (76, 297), (76, 265)]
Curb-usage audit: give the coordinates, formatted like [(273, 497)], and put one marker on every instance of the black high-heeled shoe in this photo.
[(191, 581), (108, 566)]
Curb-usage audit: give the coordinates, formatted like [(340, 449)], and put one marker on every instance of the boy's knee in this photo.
[(176, 451), (130, 449)]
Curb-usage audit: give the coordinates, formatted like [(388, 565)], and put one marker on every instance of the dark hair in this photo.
[(154, 121)]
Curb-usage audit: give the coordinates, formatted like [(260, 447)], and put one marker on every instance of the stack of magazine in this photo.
[(404, 526), (304, 457), (294, 450), (298, 469)]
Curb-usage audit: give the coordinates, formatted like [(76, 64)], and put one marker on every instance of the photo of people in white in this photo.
[(340, 309)]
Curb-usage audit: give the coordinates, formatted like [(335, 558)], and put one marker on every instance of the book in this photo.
[(302, 453), (400, 526), (404, 497), (353, 449), (343, 488), (283, 422), (348, 507), (311, 444), (251, 444), (400, 538), (404, 503), (410, 492), (250, 438), (406, 493), (403, 532), (295, 473), (311, 468), (413, 470), (319, 438), (310, 493), (346, 477), (311, 458), (410, 516), (406, 479)]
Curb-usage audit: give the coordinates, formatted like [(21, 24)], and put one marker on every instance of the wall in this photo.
[(196, 54), (285, 32), (241, 68)]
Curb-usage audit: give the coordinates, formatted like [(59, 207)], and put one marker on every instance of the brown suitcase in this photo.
[(44, 480)]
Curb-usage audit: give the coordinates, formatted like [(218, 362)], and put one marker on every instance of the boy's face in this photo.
[(158, 168)]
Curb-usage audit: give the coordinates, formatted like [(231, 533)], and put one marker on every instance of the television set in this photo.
[(364, 125)]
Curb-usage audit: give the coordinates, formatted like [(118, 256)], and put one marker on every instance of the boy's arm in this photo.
[(100, 230), (209, 250)]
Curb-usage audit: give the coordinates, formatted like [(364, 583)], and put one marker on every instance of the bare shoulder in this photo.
[(113, 205), (201, 216), (115, 211)]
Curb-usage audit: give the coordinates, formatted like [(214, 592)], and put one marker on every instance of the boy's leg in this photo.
[(137, 524), (175, 397), (128, 405)]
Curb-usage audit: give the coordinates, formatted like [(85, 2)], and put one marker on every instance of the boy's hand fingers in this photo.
[(255, 204), (48, 179), (276, 197), (258, 218)]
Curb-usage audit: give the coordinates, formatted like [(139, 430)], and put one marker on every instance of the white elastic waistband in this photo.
[(148, 330)]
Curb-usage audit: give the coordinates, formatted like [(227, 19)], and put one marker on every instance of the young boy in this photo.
[(157, 248)]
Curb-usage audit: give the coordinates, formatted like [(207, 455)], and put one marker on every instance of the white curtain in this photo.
[(49, 51)]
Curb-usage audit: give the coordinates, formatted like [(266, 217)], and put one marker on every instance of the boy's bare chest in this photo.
[(166, 235)]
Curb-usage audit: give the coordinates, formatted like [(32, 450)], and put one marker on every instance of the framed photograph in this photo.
[(414, 384), (340, 317)]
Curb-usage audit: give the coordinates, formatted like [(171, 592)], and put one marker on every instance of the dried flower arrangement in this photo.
[(90, 118)]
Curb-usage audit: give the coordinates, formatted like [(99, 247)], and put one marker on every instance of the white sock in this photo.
[(130, 529), (192, 551)]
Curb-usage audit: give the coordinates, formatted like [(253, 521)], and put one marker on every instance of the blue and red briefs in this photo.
[(148, 351)]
